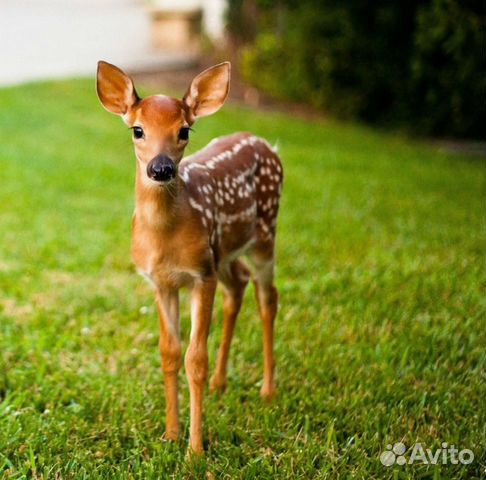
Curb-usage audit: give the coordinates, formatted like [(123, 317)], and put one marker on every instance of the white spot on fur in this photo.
[(195, 205)]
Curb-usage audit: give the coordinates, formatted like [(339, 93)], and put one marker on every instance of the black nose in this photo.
[(161, 169)]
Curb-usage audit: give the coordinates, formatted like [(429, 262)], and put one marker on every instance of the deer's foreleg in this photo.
[(170, 350), (196, 360)]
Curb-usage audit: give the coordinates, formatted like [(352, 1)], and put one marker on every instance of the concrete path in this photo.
[(42, 39)]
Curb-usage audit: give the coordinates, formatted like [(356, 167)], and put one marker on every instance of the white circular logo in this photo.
[(394, 454), (387, 458)]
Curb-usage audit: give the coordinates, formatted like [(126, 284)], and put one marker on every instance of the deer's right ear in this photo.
[(115, 89)]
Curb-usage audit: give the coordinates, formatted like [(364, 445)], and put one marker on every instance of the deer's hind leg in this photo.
[(267, 299), (234, 280)]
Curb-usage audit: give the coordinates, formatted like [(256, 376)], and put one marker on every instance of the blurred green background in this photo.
[(415, 64)]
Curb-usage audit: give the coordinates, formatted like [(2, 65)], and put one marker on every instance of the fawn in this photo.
[(194, 218)]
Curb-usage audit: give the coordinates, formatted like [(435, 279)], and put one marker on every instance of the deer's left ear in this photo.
[(207, 91)]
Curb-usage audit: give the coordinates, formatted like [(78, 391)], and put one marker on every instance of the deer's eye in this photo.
[(137, 132), (184, 133)]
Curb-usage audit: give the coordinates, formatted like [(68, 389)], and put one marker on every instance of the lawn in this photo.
[(380, 335)]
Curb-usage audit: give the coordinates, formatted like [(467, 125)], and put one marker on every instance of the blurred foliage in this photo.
[(416, 63)]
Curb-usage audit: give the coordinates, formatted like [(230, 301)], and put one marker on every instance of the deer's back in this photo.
[(234, 184)]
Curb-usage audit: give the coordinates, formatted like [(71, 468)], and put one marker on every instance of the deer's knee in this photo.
[(170, 351), (196, 363), (271, 297), (232, 302), (267, 299)]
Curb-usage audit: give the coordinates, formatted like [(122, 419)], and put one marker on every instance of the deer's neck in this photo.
[(156, 206)]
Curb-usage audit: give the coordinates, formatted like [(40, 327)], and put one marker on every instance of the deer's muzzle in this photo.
[(161, 169)]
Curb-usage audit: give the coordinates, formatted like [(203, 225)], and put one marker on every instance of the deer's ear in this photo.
[(115, 89), (208, 91)]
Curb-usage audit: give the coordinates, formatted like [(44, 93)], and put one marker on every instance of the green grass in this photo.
[(380, 336)]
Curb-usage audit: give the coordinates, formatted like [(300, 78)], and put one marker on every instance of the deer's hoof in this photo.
[(217, 384), (268, 392), (194, 452), (171, 435)]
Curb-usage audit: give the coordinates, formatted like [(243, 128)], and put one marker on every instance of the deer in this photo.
[(199, 221)]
